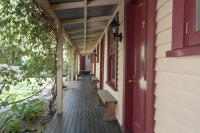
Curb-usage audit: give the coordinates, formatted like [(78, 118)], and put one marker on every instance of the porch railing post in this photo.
[(59, 72)]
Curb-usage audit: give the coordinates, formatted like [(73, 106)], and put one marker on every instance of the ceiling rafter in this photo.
[(71, 5), (88, 35), (81, 44), (88, 29), (81, 40), (84, 36), (108, 24), (85, 24), (81, 20), (88, 44), (44, 4)]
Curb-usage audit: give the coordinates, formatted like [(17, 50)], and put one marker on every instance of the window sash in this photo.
[(192, 35), (112, 60), (197, 15), (185, 41), (97, 52)]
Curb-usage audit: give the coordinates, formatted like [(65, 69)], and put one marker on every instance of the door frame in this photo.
[(151, 40), (102, 48)]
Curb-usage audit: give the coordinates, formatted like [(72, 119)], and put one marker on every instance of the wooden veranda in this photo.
[(81, 112)]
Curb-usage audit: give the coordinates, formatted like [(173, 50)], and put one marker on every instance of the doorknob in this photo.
[(132, 81)]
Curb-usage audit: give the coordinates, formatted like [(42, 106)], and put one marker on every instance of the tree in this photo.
[(27, 40)]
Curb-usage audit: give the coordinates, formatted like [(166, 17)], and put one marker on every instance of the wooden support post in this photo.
[(59, 72)]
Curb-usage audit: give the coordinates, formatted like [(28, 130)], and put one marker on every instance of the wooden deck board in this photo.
[(81, 113)]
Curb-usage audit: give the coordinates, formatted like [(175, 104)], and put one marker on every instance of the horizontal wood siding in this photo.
[(177, 81)]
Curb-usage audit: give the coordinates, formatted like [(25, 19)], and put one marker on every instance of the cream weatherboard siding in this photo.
[(97, 69), (87, 64), (117, 94), (177, 81)]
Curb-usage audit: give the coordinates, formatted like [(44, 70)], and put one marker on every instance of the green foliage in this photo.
[(28, 110), (27, 40), (13, 126), (11, 122), (21, 91), (27, 50), (68, 59)]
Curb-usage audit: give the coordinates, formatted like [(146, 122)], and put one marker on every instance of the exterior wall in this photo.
[(98, 69), (117, 94), (177, 81), (87, 64)]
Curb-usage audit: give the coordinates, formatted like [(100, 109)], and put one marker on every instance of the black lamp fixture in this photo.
[(115, 27)]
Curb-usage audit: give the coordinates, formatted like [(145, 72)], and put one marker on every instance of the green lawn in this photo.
[(21, 91)]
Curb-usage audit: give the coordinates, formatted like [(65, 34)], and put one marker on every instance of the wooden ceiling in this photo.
[(84, 21)]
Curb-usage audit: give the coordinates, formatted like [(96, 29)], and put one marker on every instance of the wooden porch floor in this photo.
[(81, 113)]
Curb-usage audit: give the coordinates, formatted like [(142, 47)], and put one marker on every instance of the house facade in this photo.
[(146, 53), (154, 71)]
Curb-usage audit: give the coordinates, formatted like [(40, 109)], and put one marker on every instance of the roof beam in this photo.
[(83, 37), (102, 3), (100, 18), (71, 5), (80, 45), (88, 35), (44, 5), (73, 21), (113, 15), (89, 30), (81, 20), (81, 40), (85, 24)]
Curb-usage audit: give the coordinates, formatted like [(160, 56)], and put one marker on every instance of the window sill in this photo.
[(188, 51), (111, 85)]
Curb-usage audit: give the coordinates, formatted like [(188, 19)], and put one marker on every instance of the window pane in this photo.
[(197, 15), (112, 67)]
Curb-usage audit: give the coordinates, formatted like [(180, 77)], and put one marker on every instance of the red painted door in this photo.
[(139, 87), (82, 62), (102, 64), (139, 77), (137, 69), (139, 96)]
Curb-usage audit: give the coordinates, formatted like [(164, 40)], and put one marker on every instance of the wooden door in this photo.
[(102, 63), (82, 62), (136, 72), (140, 29), (139, 78)]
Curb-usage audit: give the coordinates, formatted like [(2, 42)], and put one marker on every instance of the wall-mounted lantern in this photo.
[(115, 28), (93, 57)]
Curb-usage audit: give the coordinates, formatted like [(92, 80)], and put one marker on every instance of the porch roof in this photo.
[(84, 21)]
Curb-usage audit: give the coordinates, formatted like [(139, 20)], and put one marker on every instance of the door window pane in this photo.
[(197, 15)]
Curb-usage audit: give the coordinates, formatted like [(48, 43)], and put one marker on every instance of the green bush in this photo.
[(10, 121), (29, 110), (13, 126)]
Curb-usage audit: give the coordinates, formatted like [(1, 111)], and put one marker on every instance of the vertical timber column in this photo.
[(59, 72), (72, 65)]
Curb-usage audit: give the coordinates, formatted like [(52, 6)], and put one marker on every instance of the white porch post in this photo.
[(59, 72)]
